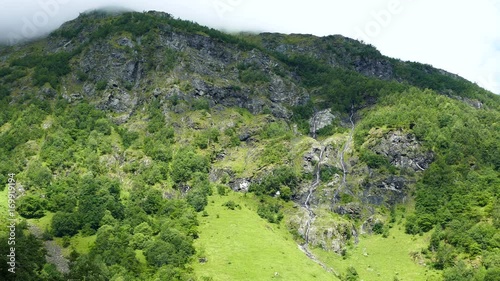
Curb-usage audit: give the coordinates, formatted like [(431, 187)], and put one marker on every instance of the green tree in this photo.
[(97, 195), (198, 200), (445, 256), (160, 253), (38, 175), (492, 274), (103, 126), (50, 273), (29, 256), (460, 272), (187, 162), (31, 206), (65, 224), (87, 267), (112, 245), (281, 179)]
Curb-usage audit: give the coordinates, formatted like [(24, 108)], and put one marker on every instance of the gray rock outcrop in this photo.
[(404, 151), (320, 120)]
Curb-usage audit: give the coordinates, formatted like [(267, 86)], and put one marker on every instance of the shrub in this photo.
[(373, 160), (5, 71), (15, 75), (4, 92), (327, 172), (31, 206), (275, 130), (203, 139), (66, 241), (198, 200), (101, 85), (411, 226), (271, 212), (250, 73), (128, 137), (47, 235), (81, 76), (351, 274), (234, 139), (103, 126), (39, 175), (201, 104), (378, 227), (346, 198), (230, 205), (273, 154), (222, 190)]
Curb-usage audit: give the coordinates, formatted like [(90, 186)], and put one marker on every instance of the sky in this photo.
[(462, 37)]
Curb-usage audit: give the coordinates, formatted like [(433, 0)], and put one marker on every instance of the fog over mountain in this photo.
[(465, 41)]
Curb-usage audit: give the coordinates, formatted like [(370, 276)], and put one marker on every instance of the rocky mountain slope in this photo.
[(120, 126)]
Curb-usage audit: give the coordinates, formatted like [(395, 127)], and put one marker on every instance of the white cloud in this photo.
[(459, 36)]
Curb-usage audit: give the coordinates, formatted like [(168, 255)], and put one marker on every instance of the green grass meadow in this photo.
[(239, 245), (376, 258)]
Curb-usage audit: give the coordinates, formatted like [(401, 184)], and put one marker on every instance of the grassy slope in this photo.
[(4, 210), (377, 258), (239, 245), (78, 242)]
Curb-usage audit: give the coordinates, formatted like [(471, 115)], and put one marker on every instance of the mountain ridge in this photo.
[(124, 127)]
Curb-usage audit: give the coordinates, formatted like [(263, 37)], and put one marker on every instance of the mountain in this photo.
[(146, 147)]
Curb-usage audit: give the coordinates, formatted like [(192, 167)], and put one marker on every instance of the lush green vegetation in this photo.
[(87, 200), (457, 197), (338, 88), (147, 197), (30, 253), (251, 74), (425, 76), (139, 24), (282, 180), (48, 68)]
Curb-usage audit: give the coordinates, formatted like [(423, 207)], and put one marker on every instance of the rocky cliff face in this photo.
[(187, 65), (337, 51), (403, 151)]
